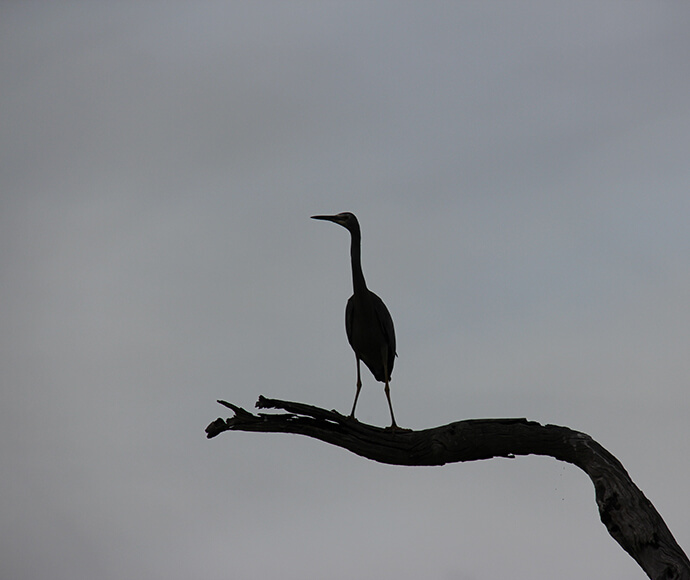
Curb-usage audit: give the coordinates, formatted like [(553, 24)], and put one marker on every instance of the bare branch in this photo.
[(628, 515)]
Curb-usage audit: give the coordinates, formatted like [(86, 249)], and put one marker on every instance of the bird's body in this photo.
[(368, 323), (366, 339)]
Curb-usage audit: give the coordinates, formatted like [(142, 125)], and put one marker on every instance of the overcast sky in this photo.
[(520, 172)]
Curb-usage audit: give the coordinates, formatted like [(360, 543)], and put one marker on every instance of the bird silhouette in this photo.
[(368, 323)]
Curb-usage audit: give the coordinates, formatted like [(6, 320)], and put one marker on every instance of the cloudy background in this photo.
[(521, 177)]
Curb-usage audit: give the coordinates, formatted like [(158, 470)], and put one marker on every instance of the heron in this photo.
[(368, 323)]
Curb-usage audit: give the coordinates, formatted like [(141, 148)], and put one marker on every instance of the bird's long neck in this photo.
[(358, 283)]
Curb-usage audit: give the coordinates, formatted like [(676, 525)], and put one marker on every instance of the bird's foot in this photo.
[(395, 429)]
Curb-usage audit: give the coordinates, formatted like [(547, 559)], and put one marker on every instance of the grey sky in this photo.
[(521, 176)]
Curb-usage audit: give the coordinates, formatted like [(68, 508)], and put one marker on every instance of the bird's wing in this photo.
[(386, 322)]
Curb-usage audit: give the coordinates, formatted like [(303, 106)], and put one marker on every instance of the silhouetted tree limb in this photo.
[(628, 515)]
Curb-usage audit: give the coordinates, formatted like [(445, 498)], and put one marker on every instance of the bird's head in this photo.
[(345, 219)]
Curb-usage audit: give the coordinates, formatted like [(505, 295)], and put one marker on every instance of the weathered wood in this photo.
[(628, 515)]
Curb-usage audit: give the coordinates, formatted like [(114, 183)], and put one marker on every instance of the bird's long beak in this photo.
[(328, 218)]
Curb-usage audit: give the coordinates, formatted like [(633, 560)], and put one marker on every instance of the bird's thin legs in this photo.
[(387, 390), (359, 388)]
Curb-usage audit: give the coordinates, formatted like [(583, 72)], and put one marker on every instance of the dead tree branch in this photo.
[(628, 515)]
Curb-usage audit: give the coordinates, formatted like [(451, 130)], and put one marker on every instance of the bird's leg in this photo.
[(359, 388), (387, 390)]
